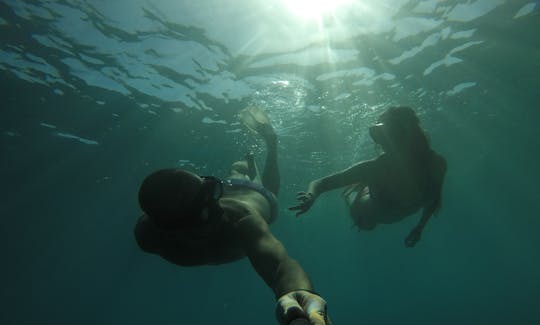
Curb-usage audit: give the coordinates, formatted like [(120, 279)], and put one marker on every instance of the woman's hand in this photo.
[(307, 199), (414, 237)]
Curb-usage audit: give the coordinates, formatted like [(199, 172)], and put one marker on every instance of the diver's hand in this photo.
[(414, 237), (301, 304), (307, 199)]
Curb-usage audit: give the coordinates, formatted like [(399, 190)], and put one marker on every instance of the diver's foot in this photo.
[(256, 120)]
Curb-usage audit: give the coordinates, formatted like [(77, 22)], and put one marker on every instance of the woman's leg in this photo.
[(364, 212)]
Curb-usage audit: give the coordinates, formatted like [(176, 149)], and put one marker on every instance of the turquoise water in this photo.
[(97, 94)]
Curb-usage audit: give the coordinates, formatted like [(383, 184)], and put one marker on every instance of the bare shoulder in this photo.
[(245, 219), (145, 237)]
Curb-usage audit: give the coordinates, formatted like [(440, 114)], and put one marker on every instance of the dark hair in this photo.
[(418, 144), (164, 193), (404, 118)]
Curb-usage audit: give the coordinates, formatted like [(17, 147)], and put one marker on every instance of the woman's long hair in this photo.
[(413, 139), (403, 120)]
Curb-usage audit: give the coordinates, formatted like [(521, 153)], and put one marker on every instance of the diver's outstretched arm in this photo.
[(284, 275)]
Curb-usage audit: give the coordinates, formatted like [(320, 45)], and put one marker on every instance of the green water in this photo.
[(97, 94)]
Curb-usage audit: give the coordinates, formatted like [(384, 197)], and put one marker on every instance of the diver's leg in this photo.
[(239, 169), (255, 119), (252, 171), (352, 192), (246, 169), (270, 175)]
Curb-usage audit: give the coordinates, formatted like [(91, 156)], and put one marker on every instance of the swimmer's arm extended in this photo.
[(433, 205), (269, 257), (357, 173), (416, 233), (427, 212), (284, 275)]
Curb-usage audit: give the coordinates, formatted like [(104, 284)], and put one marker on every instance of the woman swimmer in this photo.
[(407, 176)]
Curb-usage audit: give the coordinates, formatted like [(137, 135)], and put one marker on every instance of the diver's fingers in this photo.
[(288, 309), (316, 309), (317, 319), (300, 321)]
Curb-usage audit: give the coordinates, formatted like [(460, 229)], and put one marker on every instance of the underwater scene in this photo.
[(96, 95)]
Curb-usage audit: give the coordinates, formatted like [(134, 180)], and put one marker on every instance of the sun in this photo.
[(314, 8)]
